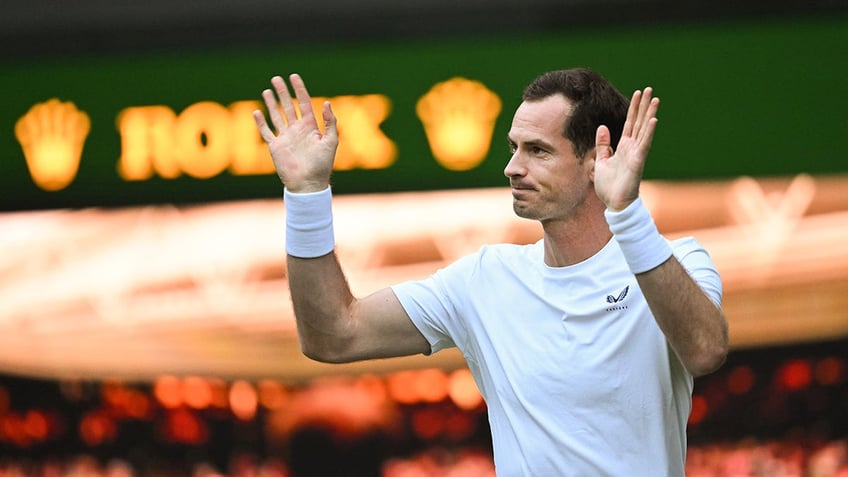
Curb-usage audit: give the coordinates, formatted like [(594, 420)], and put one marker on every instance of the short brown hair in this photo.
[(594, 102)]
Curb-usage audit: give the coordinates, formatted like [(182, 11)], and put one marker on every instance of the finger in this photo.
[(603, 147), (262, 125), (330, 129), (644, 102), (282, 89), (632, 111), (273, 110), (646, 133), (647, 136), (304, 102)]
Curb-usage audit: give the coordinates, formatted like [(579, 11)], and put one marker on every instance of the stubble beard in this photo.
[(525, 211)]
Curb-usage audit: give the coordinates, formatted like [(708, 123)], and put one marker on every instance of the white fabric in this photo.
[(637, 236), (309, 223), (577, 376)]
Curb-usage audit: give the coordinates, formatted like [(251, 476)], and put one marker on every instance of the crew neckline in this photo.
[(607, 249)]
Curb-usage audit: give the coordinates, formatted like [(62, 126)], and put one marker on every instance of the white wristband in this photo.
[(637, 236), (309, 223)]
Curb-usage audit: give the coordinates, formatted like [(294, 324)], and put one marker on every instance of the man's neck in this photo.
[(571, 242)]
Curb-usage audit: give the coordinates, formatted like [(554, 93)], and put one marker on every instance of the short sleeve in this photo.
[(696, 260), (434, 303)]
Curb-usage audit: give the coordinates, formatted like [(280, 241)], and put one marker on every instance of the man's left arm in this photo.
[(693, 324)]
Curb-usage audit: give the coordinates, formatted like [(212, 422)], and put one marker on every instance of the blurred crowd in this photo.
[(768, 459), (767, 413), (746, 458)]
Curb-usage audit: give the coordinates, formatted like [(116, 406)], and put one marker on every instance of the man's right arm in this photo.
[(332, 324)]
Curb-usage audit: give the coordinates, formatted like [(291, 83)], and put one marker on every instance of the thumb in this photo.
[(603, 148), (330, 125)]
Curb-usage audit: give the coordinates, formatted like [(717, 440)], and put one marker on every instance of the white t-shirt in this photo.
[(577, 376)]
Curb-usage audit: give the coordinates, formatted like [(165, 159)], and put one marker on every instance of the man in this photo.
[(585, 344)]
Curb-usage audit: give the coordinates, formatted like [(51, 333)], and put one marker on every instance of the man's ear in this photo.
[(589, 163)]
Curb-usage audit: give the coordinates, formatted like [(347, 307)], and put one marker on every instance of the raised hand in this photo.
[(618, 173), (303, 156)]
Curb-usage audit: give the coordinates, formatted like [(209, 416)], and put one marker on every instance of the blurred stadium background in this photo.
[(145, 324)]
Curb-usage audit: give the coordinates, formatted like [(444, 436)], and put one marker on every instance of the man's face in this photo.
[(548, 180)]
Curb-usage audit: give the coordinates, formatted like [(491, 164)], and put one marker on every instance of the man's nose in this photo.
[(513, 166)]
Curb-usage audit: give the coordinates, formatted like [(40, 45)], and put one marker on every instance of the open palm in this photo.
[(618, 173), (303, 156)]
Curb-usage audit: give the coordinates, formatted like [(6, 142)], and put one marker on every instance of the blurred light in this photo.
[(459, 117), (463, 390), (795, 374), (96, 428), (35, 425), (700, 407), (125, 402), (272, 394), (243, 400), (138, 406), (182, 425), (220, 393), (401, 386), (196, 392), (373, 386), (52, 135), (741, 379), (112, 393), (431, 385), (428, 422), (12, 429), (412, 386), (167, 390)]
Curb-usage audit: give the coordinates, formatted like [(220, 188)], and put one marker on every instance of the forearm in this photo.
[(694, 326), (320, 294), (322, 299)]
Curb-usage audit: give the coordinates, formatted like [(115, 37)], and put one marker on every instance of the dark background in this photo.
[(748, 88), (41, 28)]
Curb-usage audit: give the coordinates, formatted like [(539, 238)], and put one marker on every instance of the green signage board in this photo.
[(737, 99)]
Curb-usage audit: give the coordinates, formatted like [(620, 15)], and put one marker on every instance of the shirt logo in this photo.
[(620, 297), (615, 300)]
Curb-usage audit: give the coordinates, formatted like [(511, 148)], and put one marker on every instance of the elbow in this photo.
[(327, 344), (709, 359), (324, 353), (315, 354), (708, 363), (712, 352)]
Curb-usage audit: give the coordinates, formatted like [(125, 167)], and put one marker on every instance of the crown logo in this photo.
[(52, 135), (459, 119)]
